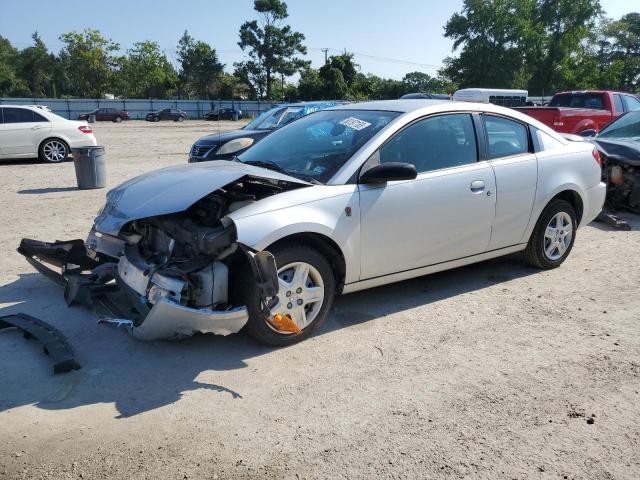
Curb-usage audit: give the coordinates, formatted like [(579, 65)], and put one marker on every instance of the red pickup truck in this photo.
[(575, 112)]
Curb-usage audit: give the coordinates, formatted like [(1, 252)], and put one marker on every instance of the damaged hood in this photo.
[(173, 190), (623, 150)]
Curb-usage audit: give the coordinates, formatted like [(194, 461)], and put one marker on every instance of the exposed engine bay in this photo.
[(170, 275)]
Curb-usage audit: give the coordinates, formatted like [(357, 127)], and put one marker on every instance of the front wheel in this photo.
[(553, 236), (181, 119), (118, 119), (306, 290), (53, 151)]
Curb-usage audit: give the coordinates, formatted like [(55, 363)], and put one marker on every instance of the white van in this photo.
[(504, 98)]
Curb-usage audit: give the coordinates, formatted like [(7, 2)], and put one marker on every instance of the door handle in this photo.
[(37, 127), (477, 186)]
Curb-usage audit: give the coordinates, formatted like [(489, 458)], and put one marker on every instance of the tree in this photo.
[(533, 44), (89, 62), (271, 47), (145, 72), (36, 67), (619, 53), (338, 76), (10, 82), (200, 68)]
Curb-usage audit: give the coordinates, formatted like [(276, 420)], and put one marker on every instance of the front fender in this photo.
[(337, 218)]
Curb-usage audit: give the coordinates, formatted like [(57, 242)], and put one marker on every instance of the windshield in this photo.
[(578, 100), (274, 118), (315, 147), (627, 126)]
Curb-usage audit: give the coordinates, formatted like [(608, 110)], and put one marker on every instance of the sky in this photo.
[(389, 38)]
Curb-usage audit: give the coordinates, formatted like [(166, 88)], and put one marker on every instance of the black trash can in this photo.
[(90, 166)]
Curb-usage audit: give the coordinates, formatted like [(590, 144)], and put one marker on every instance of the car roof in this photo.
[(402, 106)]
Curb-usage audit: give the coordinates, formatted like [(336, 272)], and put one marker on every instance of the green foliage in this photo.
[(201, 69), (10, 82), (89, 62), (272, 47), (145, 72), (541, 45)]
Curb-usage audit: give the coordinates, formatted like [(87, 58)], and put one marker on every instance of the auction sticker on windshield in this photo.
[(354, 123)]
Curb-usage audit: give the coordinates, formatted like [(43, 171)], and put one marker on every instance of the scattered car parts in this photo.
[(54, 342)]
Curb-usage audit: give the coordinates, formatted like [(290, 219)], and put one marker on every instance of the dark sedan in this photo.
[(221, 146), (224, 114), (106, 115), (425, 96), (167, 114)]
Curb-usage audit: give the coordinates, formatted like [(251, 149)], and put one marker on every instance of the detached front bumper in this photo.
[(130, 293)]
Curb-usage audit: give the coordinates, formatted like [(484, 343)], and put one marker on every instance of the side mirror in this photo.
[(388, 172), (589, 132)]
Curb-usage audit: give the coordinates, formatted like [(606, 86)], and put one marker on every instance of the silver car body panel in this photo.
[(168, 320)]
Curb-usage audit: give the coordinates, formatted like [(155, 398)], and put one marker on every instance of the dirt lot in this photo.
[(488, 371)]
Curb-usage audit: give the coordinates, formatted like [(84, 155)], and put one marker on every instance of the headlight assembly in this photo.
[(236, 145)]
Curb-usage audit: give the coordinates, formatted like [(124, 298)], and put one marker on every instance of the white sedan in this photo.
[(29, 132), (341, 200)]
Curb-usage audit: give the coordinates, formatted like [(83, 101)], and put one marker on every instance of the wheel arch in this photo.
[(325, 245), (574, 198)]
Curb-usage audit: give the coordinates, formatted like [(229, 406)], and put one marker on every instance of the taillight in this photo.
[(596, 156), (85, 129)]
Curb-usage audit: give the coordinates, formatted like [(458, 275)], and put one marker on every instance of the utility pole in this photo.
[(325, 50), (282, 86)]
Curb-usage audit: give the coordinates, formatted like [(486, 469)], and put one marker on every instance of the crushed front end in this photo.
[(166, 276)]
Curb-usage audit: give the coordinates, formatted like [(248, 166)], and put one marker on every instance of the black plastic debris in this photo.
[(54, 342)]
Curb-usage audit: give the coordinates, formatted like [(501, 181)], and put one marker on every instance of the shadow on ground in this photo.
[(138, 377), (37, 191), (29, 161)]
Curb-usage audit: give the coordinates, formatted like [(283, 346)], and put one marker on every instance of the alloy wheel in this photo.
[(557, 236), (300, 295), (54, 151)]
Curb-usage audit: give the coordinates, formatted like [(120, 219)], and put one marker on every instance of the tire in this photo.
[(320, 272), (53, 150), (118, 119), (551, 242), (180, 119)]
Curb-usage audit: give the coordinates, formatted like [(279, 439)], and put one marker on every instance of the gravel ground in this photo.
[(495, 370)]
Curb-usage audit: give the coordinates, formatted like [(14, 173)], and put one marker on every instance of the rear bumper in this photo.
[(593, 203)]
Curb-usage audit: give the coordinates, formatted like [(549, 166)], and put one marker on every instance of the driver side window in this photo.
[(434, 143)]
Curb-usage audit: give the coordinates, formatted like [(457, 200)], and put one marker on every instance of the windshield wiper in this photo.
[(277, 168), (268, 165)]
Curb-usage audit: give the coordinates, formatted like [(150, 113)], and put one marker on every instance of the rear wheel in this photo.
[(553, 236), (53, 150), (306, 291)]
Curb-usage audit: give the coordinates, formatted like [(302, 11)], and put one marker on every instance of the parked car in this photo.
[(30, 131), (167, 114), (106, 115), (425, 96), (576, 112), (341, 200), (224, 114), (619, 146), (220, 146)]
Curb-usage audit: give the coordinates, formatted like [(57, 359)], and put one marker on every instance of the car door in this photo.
[(444, 214), (510, 152), (22, 131), (165, 114)]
